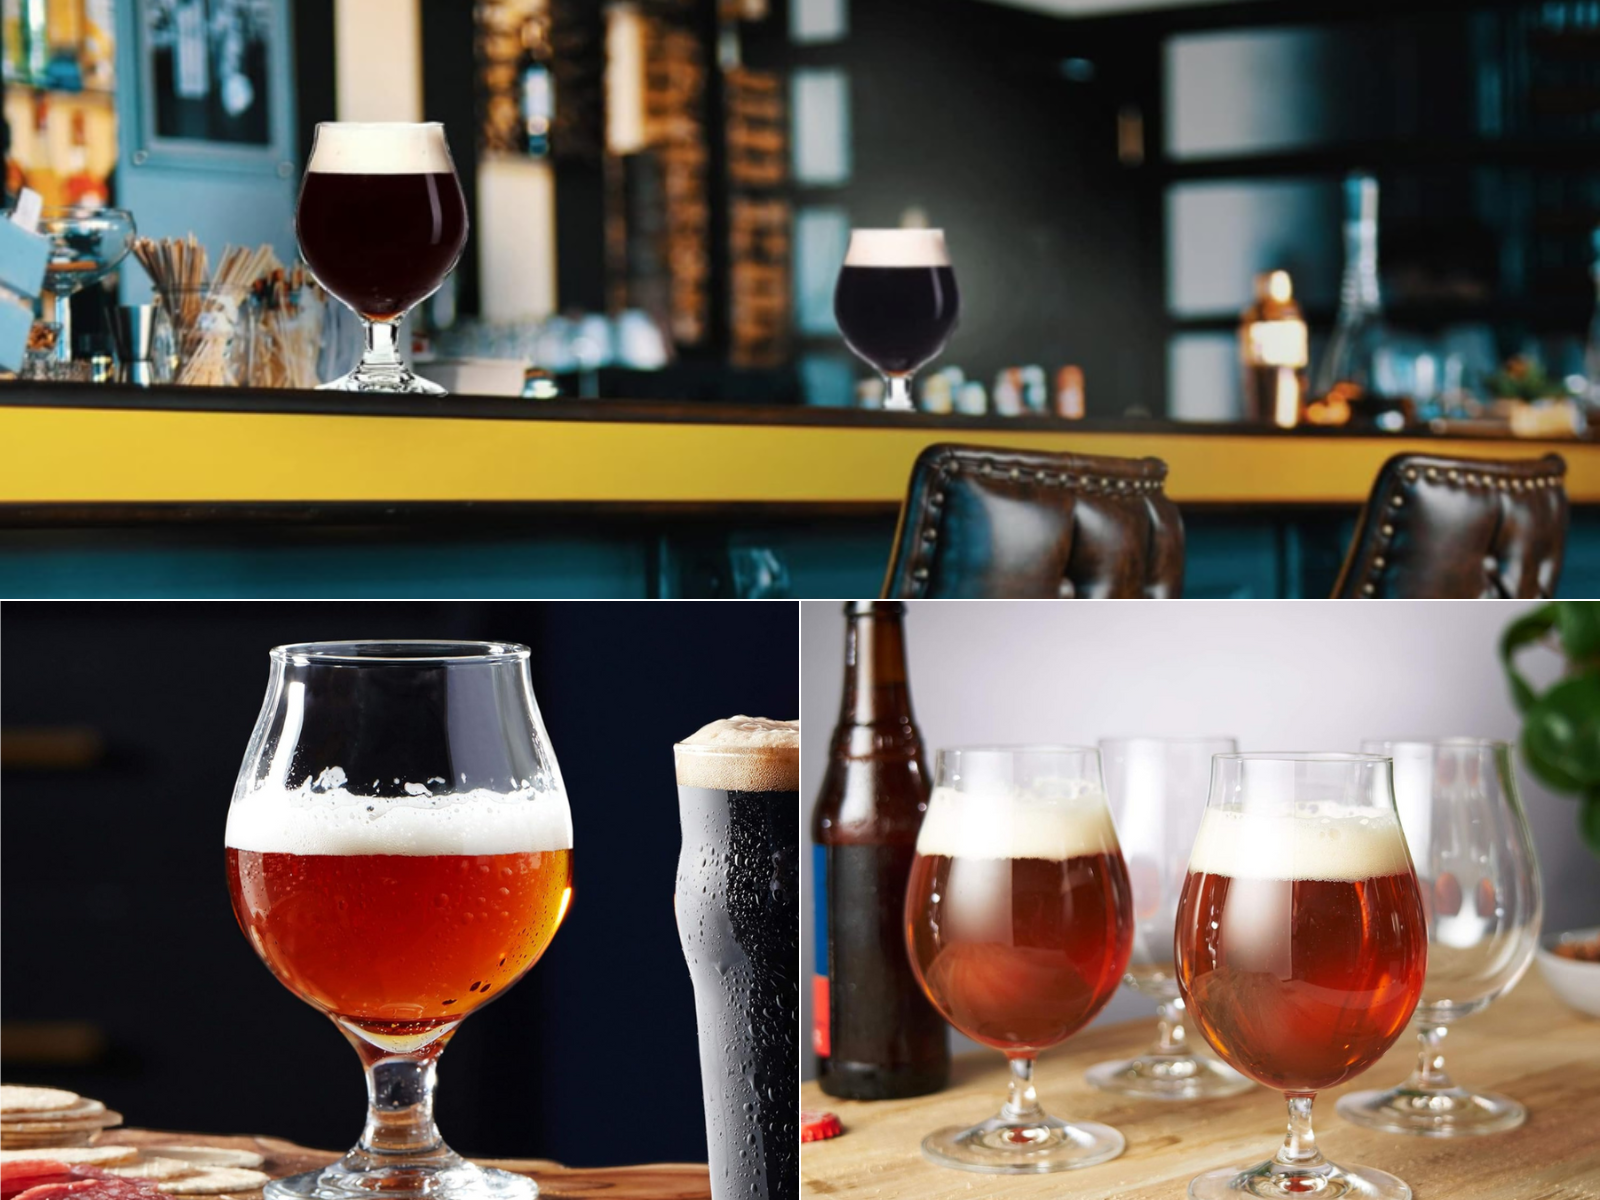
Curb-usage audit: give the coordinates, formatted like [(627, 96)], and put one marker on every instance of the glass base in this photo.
[(455, 1179), (1430, 1112), (1275, 1181), (1168, 1077), (1033, 1147), (401, 381)]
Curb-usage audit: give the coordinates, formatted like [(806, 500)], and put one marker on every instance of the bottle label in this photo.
[(820, 1042)]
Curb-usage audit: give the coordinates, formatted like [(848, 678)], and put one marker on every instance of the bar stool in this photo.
[(1459, 528), (980, 522)]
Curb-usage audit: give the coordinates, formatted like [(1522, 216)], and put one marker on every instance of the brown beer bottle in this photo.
[(875, 1035)]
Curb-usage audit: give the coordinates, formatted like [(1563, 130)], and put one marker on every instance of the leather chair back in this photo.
[(986, 523), (1459, 528)]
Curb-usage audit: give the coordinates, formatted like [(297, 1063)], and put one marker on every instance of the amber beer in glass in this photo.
[(399, 852), (1301, 945), (1019, 921)]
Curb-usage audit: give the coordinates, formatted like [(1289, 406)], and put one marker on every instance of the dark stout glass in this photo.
[(896, 318), (737, 903), (381, 243)]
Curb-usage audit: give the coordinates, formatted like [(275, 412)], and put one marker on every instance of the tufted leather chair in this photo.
[(1459, 528), (987, 523)]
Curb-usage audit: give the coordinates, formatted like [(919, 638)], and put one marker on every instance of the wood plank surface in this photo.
[(658, 1181), (1527, 1045)]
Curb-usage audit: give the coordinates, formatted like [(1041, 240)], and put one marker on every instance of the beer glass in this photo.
[(896, 303), (1300, 946), (1157, 789), (1480, 889), (1019, 921), (738, 909), (381, 222), (399, 853)]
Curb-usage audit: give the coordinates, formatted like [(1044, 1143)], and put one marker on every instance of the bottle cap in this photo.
[(819, 1126)]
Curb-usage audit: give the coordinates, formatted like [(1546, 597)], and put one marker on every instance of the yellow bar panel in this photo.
[(69, 455)]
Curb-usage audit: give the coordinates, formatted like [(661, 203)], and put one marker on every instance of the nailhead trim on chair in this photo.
[(950, 468), (1469, 480)]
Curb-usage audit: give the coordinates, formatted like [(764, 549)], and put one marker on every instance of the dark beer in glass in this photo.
[(381, 222), (874, 1033), (896, 303), (738, 911)]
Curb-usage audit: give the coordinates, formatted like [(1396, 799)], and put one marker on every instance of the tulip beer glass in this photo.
[(1157, 789), (381, 222), (896, 303), (1300, 946), (1019, 921), (399, 852), (1480, 888)]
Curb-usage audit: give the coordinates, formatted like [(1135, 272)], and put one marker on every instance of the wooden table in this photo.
[(658, 1181), (1528, 1045)]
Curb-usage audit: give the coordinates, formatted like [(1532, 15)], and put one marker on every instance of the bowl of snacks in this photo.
[(1570, 964)]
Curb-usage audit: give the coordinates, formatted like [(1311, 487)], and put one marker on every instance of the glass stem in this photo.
[(1430, 1074), (1299, 1149), (1022, 1104), (400, 1107), (1172, 1040), (899, 397), (382, 355)]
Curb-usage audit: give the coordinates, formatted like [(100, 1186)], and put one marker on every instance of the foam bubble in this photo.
[(1009, 824), (379, 148), (741, 754), (897, 248), (333, 821), (1338, 844)]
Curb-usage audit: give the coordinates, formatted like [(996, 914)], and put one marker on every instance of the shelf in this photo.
[(1577, 154)]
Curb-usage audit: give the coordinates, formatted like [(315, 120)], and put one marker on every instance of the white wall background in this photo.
[(1279, 675)]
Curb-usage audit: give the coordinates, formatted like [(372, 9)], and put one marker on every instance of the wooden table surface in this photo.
[(658, 1181), (1527, 1045)]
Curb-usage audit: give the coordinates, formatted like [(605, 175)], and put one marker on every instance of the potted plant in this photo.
[(1561, 745)]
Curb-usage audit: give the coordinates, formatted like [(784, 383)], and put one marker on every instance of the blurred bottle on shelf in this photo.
[(82, 188), (536, 88), (1351, 384), (1274, 351), (1070, 393)]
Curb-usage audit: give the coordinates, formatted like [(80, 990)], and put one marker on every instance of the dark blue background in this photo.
[(115, 909)]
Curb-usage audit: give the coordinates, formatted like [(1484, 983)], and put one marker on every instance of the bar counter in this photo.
[(813, 486)]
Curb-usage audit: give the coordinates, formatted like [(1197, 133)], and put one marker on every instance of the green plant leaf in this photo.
[(1589, 821), (1561, 734), (1523, 631), (1579, 625)]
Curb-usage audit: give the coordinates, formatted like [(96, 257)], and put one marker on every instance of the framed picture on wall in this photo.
[(212, 85)]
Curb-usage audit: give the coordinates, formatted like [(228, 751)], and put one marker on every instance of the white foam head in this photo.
[(330, 820), (741, 754), (380, 148), (1335, 844), (897, 248), (1001, 823)]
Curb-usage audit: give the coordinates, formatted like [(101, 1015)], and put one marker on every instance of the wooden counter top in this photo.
[(78, 445), (1527, 1044), (660, 1181)]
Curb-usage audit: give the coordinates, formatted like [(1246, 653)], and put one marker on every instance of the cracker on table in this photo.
[(83, 1108), (88, 1156), (210, 1156), (215, 1180), (15, 1098), (90, 1123), (154, 1167)]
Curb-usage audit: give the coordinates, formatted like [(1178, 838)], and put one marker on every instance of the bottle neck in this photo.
[(876, 692), (1360, 293)]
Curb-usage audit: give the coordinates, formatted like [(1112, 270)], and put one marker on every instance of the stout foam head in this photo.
[(1000, 823), (379, 148), (316, 820), (897, 248), (741, 754), (1335, 845)]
